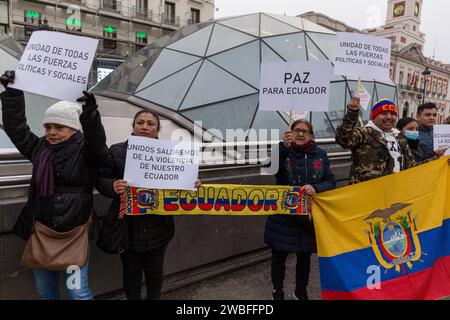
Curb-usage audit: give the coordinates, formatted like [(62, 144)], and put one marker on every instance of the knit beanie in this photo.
[(64, 113), (382, 106)]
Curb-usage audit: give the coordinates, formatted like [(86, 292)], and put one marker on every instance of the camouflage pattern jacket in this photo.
[(371, 157)]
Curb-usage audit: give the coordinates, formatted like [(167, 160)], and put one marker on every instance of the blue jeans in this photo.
[(47, 284)]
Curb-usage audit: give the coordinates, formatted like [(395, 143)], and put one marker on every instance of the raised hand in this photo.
[(288, 138), (89, 102), (7, 78), (354, 104)]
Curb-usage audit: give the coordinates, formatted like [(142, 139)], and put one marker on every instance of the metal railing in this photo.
[(115, 48), (410, 88), (16, 170), (171, 20), (144, 13)]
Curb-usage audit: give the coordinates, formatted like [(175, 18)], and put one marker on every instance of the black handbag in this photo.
[(113, 234)]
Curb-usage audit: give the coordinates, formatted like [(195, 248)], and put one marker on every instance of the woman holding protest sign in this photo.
[(301, 163), (140, 240), (57, 216)]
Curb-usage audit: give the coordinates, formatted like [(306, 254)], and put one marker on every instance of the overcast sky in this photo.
[(360, 14)]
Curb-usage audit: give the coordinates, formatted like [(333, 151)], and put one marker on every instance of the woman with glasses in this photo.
[(301, 163)]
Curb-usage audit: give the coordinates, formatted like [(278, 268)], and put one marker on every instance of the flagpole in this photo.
[(358, 84)]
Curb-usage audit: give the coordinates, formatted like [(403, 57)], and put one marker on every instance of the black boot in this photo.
[(300, 295), (277, 295)]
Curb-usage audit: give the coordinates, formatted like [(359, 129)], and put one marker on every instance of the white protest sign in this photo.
[(56, 65), (441, 137), (297, 115), (364, 96), (295, 86), (158, 164), (362, 56)]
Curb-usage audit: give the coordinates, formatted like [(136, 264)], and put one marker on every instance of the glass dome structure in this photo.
[(210, 72)]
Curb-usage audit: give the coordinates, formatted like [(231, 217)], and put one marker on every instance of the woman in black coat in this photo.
[(65, 163), (301, 163), (140, 240)]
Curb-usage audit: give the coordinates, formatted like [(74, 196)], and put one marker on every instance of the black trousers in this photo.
[(150, 264), (301, 272)]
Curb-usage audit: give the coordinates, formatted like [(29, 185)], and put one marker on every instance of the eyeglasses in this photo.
[(305, 132)]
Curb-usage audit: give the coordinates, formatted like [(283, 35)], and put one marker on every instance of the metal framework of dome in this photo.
[(210, 71)]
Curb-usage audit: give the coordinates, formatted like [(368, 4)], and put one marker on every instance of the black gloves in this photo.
[(89, 103), (7, 78)]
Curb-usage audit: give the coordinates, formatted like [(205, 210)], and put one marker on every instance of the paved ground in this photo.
[(251, 283)]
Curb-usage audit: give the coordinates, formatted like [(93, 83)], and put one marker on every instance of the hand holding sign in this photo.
[(354, 104), (441, 152), (288, 138), (7, 78), (441, 140), (89, 105), (120, 186)]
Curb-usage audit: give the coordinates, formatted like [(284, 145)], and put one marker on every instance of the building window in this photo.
[(401, 76), (169, 12), (33, 17), (195, 16), (402, 39), (141, 37), (109, 32), (109, 4), (414, 28), (142, 8)]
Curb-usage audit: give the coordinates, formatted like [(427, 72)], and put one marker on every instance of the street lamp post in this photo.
[(425, 74)]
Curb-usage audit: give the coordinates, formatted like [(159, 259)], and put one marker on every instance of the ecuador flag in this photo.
[(388, 238)]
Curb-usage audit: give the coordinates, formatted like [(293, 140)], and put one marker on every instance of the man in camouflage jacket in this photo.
[(378, 149)]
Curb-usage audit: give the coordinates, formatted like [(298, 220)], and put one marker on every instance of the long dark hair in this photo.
[(147, 111)]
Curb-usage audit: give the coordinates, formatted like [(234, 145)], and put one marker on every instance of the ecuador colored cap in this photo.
[(383, 105)]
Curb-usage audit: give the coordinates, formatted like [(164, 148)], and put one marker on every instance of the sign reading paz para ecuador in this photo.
[(362, 56), (158, 164), (295, 86), (56, 65), (441, 137)]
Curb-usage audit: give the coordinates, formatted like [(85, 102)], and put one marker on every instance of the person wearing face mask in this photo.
[(301, 163), (141, 241), (378, 149), (60, 199), (410, 130)]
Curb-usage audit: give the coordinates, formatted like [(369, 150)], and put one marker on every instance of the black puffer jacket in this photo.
[(292, 233), (420, 156), (74, 168), (143, 233)]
